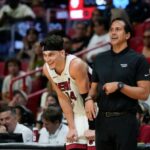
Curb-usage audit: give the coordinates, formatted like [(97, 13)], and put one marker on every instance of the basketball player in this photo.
[(69, 78)]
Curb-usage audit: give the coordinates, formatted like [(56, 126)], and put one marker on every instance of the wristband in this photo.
[(88, 98), (84, 96)]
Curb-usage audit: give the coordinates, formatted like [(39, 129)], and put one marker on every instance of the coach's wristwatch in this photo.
[(120, 85)]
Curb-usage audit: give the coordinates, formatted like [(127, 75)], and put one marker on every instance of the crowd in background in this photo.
[(86, 39)]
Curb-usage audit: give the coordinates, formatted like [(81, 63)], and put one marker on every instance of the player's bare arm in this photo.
[(89, 104), (65, 104), (79, 72)]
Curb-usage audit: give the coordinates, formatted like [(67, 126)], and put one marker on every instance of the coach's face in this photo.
[(118, 34), (53, 58)]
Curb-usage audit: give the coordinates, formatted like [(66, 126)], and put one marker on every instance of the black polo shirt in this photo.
[(127, 67)]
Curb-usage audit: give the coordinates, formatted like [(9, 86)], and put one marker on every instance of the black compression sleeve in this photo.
[(92, 124), (84, 96)]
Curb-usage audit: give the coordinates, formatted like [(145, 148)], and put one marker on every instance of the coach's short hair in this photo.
[(127, 27)]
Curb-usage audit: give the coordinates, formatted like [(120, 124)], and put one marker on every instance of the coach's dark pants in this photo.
[(116, 133)]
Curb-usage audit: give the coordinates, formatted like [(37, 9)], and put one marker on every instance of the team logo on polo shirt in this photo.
[(148, 74), (124, 65)]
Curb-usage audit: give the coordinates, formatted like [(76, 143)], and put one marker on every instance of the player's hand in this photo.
[(90, 109), (110, 87), (72, 136), (90, 135)]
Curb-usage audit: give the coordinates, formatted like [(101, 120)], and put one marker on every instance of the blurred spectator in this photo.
[(108, 8), (10, 14), (37, 58), (136, 42), (24, 116), (99, 42), (51, 99), (44, 95), (13, 12), (19, 98), (119, 13), (40, 21), (138, 11), (80, 39), (96, 14), (39, 81), (143, 116), (39, 125), (56, 4), (146, 47), (14, 70), (27, 2), (54, 131), (35, 2), (9, 123), (67, 44), (29, 40), (38, 8), (2, 2), (1, 82)]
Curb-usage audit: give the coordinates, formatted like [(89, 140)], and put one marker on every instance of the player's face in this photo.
[(117, 33), (53, 58)]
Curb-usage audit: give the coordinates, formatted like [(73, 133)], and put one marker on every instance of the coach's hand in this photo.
[(72, 136), (110, 87)]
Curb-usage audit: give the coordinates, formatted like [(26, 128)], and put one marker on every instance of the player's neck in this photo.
[(60, 68)]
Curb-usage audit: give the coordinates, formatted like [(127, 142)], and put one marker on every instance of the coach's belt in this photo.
[(112, 114)]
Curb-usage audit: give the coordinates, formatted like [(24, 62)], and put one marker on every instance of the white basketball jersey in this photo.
[(68, 86)]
